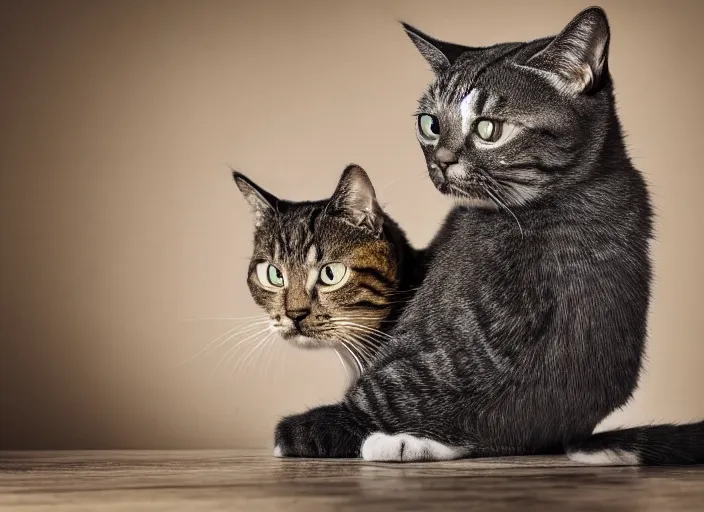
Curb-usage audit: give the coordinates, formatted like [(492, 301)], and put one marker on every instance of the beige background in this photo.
[(120, 219)]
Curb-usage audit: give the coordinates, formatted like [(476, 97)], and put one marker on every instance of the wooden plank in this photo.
[(255, 480)]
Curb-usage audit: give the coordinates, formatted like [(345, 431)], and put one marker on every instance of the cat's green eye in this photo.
[(275, 276), (487, 130), (269, 275), (332, 274), (429, 127)]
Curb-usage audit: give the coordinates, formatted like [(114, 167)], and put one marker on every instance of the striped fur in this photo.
[(529, 326), (299, 238)]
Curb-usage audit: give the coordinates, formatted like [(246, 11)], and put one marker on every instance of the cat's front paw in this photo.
[(382, 447), (322, 432), (293, 438)]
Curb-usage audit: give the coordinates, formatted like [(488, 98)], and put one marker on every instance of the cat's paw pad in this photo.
[(277, 451), (407, 448)]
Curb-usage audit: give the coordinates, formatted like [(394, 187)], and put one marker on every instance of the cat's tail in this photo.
[(657, 445)]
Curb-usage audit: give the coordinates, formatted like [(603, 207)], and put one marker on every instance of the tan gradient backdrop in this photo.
[(120, 219)]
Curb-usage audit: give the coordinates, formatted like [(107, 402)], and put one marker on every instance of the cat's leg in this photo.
[(409, 448), (410, 422), (333, 431), (330, 431), (419, 409)]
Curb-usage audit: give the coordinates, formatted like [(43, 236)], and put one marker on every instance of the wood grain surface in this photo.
[(254, 480)]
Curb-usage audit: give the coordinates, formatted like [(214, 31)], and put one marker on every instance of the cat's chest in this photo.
[(485, 258), (474, 243), (481, 256)]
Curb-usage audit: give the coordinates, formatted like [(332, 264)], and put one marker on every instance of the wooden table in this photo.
[(176, 481)]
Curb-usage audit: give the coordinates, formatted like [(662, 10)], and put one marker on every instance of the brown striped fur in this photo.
[(301, 238)]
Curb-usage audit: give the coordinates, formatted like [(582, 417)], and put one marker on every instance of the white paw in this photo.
[(606, 458), (277, 451), (407, 448)]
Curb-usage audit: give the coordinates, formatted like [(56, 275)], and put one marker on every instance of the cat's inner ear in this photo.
[(578, 55), (355, 200), (263, 203), (439, 54)]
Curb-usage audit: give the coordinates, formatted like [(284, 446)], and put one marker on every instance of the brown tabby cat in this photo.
[(333, 273)]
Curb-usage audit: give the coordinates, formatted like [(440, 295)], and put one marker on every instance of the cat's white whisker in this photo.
[(371, 330), (221, 318), (384, 187), (360, 346), (339, 357), (348, 323), (271, 349), (363, 346), (345, 344), (500, 203), (233, 350), (226, 336), (366, 337), (256, 350), (243, 330), (247, 347), (496, 200)]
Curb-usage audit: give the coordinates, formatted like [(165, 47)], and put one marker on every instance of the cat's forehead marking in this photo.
[(468, 110), (312, 256), (312, 262), (312, 279)]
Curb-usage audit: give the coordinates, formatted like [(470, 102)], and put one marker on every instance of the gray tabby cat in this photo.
[(529, 326), (334, 273)]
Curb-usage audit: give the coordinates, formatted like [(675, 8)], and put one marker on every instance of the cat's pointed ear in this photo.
[(355, 200), (578, 56), (262, 202), (439, 54)]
